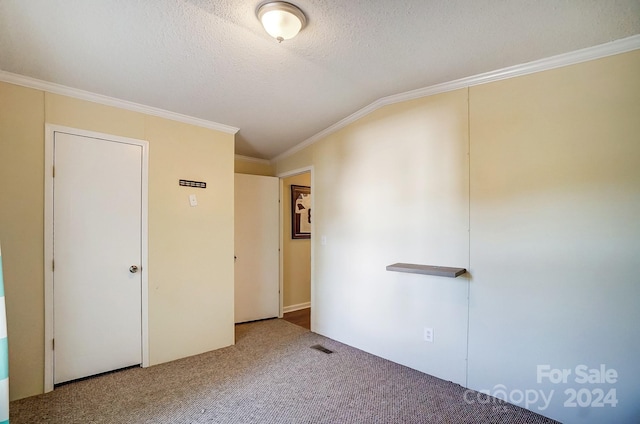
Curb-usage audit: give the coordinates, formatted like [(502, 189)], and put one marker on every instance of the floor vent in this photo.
[(321, 349)]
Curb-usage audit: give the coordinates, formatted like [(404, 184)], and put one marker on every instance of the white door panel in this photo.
[(97, 206), (257, 237)]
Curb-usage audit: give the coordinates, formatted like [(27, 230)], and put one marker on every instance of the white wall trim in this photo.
[(299, 306), (48, 258), (590, 53), (295, 172), (314, 230), (48, 243), (254, 160), (286, 309), (63, 90), (281, 248)]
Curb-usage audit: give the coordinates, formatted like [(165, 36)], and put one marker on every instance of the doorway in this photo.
[(95, 253), (296, 258)]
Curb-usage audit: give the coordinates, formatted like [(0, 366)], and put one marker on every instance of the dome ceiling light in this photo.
[(281, 20)]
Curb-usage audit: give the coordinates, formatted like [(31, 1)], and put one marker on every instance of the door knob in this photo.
[(133, 269)]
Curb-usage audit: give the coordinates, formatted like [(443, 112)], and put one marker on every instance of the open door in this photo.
[(257, 237)]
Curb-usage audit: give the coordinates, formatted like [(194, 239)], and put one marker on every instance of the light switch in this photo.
[(193, 200)]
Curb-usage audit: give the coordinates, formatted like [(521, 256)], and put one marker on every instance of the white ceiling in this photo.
[(212, 60)]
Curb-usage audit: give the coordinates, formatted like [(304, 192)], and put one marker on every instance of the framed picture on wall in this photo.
[(300, 212)]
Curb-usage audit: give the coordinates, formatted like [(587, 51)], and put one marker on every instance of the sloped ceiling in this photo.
[(213, 60)]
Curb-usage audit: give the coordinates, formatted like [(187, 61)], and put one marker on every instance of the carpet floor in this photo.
[(270, 376)]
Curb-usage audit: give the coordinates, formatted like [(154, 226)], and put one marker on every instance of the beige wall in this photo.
[(393, 187), (190, 249), (21, 233), (296, 252), (555, 231), (552, 184), (244, 166)]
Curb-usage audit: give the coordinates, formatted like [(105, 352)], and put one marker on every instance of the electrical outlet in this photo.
[(428, 334)]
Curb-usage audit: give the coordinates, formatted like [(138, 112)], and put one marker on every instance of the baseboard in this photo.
[(297, 307)]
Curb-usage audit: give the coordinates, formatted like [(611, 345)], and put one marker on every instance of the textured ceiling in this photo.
[(212, 59)]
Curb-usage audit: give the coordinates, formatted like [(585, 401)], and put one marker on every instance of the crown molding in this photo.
[(254, 160), (63, 90), (590, 53)]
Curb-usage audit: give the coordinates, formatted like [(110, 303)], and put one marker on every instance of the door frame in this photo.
[(282, 176), (50, 130)]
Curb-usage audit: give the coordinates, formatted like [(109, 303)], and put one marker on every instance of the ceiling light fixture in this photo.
[(281, 20)]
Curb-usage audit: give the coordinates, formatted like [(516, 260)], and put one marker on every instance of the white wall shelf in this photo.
[(441, 271)]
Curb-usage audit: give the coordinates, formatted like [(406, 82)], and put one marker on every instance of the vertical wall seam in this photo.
[(466, 378)]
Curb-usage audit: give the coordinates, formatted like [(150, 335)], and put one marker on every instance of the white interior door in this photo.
[(97, 207), (257, 237)]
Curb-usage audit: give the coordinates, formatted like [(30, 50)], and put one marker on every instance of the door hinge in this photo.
[(53, 265), (53, 344), (54, 171)]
